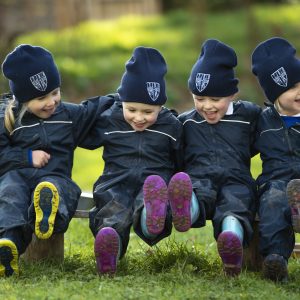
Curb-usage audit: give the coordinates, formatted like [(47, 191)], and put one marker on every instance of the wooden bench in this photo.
[(53, 248)]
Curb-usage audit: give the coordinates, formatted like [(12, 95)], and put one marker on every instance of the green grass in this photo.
[(183, 266), (88, 165)]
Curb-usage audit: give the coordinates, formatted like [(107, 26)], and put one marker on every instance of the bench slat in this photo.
[(81, 214), (86, 201)]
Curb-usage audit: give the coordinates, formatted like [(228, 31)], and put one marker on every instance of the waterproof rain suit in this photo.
[(58, 135), (280, 153), (130, 156), (217, 158)]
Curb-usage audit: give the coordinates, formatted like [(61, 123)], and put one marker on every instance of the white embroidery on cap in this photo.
[(39, 81), (202, 81), (280, 77), (153, 89)]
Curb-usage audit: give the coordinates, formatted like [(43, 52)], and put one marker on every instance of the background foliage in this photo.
[(91, 55)]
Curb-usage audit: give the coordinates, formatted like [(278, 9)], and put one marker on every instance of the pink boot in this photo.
[(156, 202), (231, 252), (180, 195), (106, 249)]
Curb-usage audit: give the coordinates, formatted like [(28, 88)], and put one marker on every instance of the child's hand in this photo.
[(40, 158)]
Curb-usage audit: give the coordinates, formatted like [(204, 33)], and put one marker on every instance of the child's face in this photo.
[(212, 109), (139, 115), (288, 103), (43, 107)]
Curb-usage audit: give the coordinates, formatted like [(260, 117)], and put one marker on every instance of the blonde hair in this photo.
[(9, 116)]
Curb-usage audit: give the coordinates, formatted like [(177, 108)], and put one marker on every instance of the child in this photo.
[(218, 136), (140, 139), (278, 140), (38, 135)]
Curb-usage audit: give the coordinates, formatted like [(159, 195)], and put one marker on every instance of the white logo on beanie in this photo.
[(202, 81), (39, 81), (280, 77), (153, 89)]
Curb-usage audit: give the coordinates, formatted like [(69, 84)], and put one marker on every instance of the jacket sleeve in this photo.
[(11, 157), (85, 116)]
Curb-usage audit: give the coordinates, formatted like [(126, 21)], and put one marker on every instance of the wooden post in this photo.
[(50, 249), (296, 252), (252, 260)]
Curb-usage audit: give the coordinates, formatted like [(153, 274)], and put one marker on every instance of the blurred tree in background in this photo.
[(91, 54), (217, 5)]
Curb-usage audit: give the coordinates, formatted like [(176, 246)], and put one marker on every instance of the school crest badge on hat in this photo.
[(202, 81), (153, 89), (280, 77), (39, 81)]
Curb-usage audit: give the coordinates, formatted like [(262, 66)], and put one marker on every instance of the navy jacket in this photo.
[(223, 150), (58, 135), (130, 155), (279, 147)]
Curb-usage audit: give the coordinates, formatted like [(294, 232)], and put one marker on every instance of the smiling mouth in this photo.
[(210, 114), (46, 112)]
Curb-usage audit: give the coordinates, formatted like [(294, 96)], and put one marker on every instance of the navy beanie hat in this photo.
[(143, 80), (276, 67), (213, 74), (31, 72)]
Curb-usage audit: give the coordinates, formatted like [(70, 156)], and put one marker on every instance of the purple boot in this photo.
[(156, 202), (180, 195), (293, 196), (231, 252), (106, 248)]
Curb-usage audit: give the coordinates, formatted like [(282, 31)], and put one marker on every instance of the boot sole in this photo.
[(275, 268), (231, 252), (293, 196), (156, 202), (180, 195), (106, 250), (46, 201), (8, 258)]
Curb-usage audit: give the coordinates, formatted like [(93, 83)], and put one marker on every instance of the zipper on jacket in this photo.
[(44, 132), (286, 131), (214, 140), (140, 148)]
